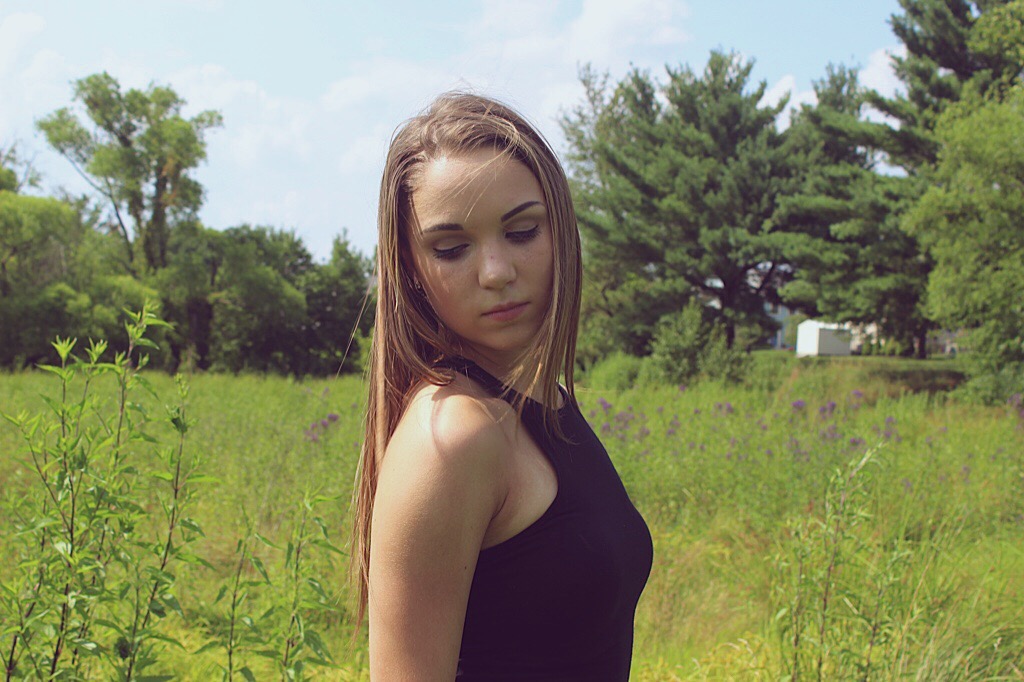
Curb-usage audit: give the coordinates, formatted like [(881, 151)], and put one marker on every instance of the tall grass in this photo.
[(823, 522)]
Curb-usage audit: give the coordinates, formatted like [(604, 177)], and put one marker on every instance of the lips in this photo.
[(506, 312)]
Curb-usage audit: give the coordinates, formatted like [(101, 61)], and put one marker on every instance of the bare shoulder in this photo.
[(449, 453), (452, 426), (439, 487)]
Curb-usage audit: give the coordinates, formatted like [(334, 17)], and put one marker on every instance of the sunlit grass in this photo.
[(724, 476)]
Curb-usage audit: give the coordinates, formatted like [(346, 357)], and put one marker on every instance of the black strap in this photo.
[(491, 383)]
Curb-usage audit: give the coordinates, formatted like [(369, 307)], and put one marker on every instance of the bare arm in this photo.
[(440, 485)]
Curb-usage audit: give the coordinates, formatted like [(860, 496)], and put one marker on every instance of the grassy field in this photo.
[(831, 520)]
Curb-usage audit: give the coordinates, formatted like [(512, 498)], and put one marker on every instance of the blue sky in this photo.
[(312, 91)]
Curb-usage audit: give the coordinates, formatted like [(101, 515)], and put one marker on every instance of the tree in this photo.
[(53, 279), (138, 153), (940, 62), (676, 189), (852, 261), (338, 309), (883, 276), (971, 221), (258, 308)]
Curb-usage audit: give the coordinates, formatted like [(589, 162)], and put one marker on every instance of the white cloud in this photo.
[(783, 87), (384, 79), (16, 32), (365, 151), (606, 28), (879, 74), (774, 94)]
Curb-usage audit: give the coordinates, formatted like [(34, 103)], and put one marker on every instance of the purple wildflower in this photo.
[(827, 409), (324, 423), (907, 485), (605, 405), (799, 405), (332, 417), (857, 394)]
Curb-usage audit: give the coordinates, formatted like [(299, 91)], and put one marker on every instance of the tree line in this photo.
[(699, 210), (243, 298), (901, 211)]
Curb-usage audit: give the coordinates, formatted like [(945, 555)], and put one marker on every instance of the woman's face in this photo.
[(481, 246)]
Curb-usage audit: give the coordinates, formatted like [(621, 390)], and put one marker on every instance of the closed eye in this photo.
[(515, 236), (449, 254), (521, 236)]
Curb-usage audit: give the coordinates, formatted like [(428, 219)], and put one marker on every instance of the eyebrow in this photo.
[(455, 227)]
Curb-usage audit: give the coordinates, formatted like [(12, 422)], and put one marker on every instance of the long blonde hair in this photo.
[(409, 341)]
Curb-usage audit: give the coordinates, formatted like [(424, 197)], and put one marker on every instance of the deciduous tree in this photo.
[(138, 151)]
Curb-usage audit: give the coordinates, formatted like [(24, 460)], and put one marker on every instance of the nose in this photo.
[(497, 269)]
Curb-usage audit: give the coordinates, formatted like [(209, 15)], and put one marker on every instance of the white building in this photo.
[(822, 338)]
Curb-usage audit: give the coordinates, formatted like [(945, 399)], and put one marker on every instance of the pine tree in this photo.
[(676, 188)]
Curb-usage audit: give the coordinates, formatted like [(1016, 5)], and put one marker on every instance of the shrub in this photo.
[(617, 372), (687, 345)]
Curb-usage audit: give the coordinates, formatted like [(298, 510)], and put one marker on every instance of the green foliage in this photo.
[(689, 344), (970, 220), (864, 267), (790, 328), (37, 239), (138, 153), (742, 486), (698, 466), (680, 343), (853, 263), (95, 569), (109, 524), (15, 172), (675, 186), (616, 372)]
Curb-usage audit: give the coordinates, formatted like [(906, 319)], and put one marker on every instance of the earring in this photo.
[(418, 286)]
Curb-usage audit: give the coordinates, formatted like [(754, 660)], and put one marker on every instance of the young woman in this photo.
[(494, 539)]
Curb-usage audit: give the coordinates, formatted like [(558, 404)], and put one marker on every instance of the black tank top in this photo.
[(556, 601)]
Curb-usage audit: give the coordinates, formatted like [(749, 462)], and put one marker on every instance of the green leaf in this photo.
[(207, 647), (324, 544), (172, 602), (257, 563), (316, 644), (192, 526), (265, 541)]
